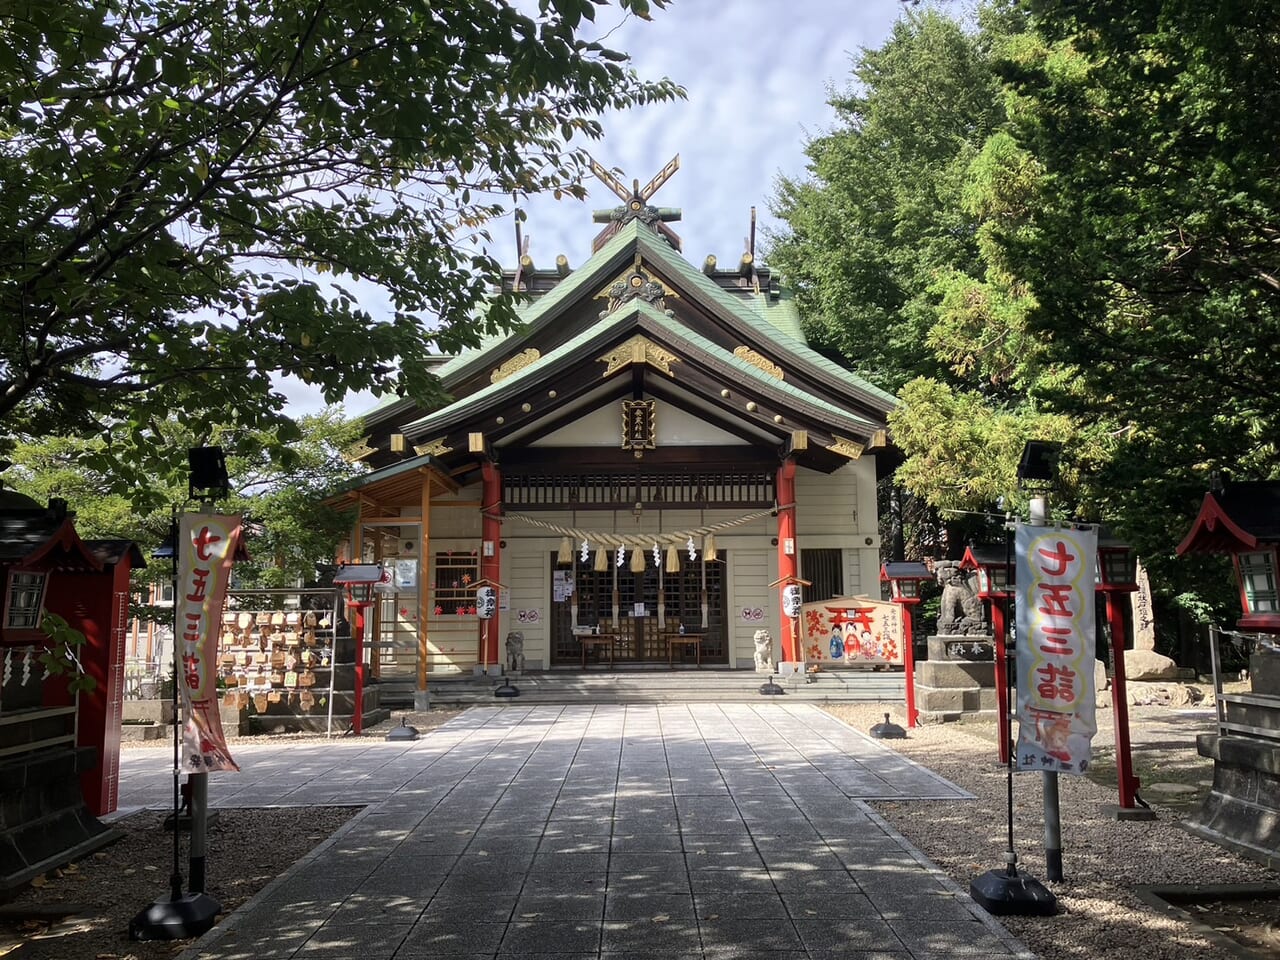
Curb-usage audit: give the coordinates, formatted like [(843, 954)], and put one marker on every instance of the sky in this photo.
[(758, 74)]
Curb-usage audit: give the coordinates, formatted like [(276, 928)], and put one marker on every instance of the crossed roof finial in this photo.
[(636, 204)]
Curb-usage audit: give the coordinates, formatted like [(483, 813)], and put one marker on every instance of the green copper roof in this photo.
[(547, 304), (676, 333), (776, 322), (781, 312), (749, 371), (697, 283), (389, 471)]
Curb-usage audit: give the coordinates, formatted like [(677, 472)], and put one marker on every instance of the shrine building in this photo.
[(656, 452)]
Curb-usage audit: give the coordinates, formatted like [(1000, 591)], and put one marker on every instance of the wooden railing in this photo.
[(743, 489)]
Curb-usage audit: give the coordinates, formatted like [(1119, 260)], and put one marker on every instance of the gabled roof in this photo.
[(742, 360), (394, 482), (113, 551), (757, 318), (581, 353), (42, 539), (1239, 518)]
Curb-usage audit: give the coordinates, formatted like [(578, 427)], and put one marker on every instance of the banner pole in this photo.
[(1052, 811)]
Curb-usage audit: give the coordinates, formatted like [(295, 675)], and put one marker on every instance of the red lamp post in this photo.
[(905, 579), (1117, 576), (358, 580), (992, 565)]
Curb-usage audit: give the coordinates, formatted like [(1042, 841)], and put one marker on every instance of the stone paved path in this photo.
[(674, 831)]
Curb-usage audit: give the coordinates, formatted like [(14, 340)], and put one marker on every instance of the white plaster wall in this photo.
[(838, 510), (602, 427)]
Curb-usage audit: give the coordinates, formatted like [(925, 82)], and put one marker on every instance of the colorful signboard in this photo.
[(851, 631), (1056, 568), (206, 548)]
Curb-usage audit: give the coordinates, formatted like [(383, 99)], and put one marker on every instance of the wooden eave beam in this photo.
[(535, 460), (711, 388)]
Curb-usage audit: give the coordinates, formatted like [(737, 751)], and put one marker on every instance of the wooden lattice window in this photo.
[(824, 569), (456, 572), (26, 600), (1258, 578)]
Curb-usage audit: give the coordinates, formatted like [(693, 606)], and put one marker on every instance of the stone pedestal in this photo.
[(958, 680), (1242, 811)]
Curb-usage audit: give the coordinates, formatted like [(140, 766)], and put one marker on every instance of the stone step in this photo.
[(942, 716), (145, 731), (658, 687)]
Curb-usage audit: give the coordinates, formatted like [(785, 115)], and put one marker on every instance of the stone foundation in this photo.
[(1242, 810), (958, 681)]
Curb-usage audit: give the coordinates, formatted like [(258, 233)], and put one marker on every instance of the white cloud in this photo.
[(758, 75)]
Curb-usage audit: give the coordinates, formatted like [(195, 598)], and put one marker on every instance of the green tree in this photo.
[(1150, 241), (186, 186), (288, 531), (888, 246), (879, 215)]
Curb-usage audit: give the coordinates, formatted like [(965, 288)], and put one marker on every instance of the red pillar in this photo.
[(97, 604), (490, 551), (909, 660), (1128, 783), (1002, 678), (788, 564), (359, 620)]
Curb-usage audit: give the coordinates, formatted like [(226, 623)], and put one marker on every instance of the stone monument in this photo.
[(764, 652), (515, 652), (957, 681)]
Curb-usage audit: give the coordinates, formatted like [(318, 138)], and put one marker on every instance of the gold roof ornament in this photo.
[(359, 450), (639, 349), (513, 365), (436, 448), (846, 447), (759, 360)]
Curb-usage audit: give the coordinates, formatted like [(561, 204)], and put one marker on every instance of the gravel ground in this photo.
[(1104, 860)]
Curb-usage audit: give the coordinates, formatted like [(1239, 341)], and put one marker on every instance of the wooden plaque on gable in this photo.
[(639, 424)]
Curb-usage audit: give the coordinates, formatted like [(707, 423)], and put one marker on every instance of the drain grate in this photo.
[(1242, 918)]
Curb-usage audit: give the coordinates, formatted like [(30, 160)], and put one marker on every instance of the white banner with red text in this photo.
[(1056, 644), (206, 548)]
